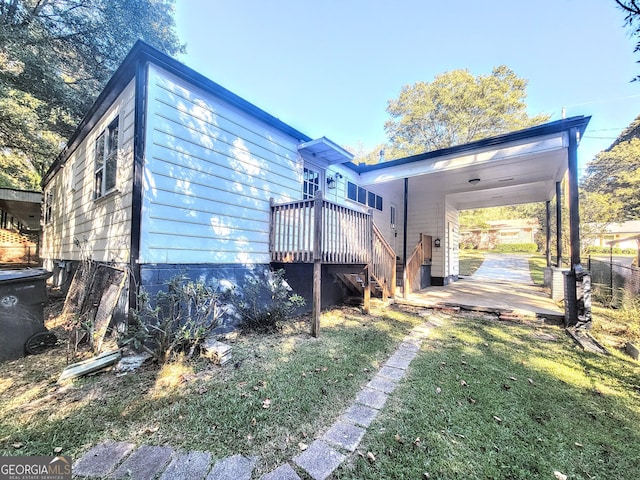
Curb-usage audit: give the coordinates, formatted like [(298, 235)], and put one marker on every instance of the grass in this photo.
[(278, 391), (537, 264), (488, 400), (470, 261)]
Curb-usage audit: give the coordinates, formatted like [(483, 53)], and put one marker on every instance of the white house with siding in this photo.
[(171, 173)]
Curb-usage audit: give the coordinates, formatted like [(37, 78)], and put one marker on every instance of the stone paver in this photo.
[(101, 459), (283, 472), (144, 464), (391, 373), (188, 466), (232, 468), (345, 435), (319, 460), (382, 384), (361, 414), (372, 398), (397, 361)]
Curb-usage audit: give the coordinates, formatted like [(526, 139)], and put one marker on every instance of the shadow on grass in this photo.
[(494, 400), (278, 391)]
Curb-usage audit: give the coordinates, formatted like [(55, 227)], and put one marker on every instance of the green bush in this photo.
[(265, 302), (516, 248), (175, 320), (593, 250)]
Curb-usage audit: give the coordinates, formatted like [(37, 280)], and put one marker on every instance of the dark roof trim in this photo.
[(579, 122), (143, 52)]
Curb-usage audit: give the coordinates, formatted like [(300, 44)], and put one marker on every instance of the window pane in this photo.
[(99, 155), (113, 138), (362, 195), (110, 172), (97, 189), (372, 200), (378, 202), (352, 191)]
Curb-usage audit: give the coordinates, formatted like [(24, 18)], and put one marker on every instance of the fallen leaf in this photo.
[(463, 363), (253, 422), (399, 439), (417, 441), (150, 430), (371, 457), (530, 381), (497, 419), (579, 445), (324, 369), (438, 390), (266, 403), (304, 374), (506, 387), (472, 400), (57, 450), (463, 383), (513, 379), (459, 435), (486, 344), (303, 446), (17, 445), (426, 476), (559, 476)]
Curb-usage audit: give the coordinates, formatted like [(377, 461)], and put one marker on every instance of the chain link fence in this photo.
[(614, 281)]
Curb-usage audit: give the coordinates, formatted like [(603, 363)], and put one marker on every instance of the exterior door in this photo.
[(393, 226)]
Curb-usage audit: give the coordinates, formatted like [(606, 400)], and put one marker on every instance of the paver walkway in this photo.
[(113, 460)]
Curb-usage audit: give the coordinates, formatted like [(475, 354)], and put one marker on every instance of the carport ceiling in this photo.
[(22, 205), (519, 167)]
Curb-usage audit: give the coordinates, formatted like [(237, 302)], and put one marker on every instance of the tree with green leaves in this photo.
[(631, 8), (615, 172), (55, 57), (457, 108)]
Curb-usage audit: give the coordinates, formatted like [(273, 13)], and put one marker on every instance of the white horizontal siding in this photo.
[(210, 171), (101, 227)]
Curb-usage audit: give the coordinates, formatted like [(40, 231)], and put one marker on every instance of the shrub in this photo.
[(595, 250), (175, 320), (265, 302), (516, 248)]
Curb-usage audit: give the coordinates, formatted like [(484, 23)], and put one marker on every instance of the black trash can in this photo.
[(23, 295)]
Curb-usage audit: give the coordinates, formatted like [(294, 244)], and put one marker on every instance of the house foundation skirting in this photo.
[(443, 281)]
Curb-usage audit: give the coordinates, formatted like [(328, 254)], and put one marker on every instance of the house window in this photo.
[(361, 195), (310, 184), (106, 160), (48, 208)]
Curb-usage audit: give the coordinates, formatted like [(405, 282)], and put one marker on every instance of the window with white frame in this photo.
[(310, 183), (363, 196), (106, 160)]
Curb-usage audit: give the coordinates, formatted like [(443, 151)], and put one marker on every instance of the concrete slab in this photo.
[(188, 466), (232, 468), (361, 414), (392, 373), (372, 398), (102, 459), (382, 384), (319, 460), (344, 435), (409, 346), (470, 293), (283, 472), (144, 464)]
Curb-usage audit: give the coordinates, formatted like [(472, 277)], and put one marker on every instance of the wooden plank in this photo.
[(317, 298)]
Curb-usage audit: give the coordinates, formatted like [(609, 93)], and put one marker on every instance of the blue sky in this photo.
[(328, 67)]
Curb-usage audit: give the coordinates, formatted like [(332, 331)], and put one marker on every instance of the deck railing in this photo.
[(383, 264), (317, 229), (414, 264)]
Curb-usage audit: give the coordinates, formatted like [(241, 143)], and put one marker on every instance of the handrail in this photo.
[(414, 263), (383, 264)]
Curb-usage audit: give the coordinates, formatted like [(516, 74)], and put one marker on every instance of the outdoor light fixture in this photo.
[(331, 182), (436, 243), (474, 181)]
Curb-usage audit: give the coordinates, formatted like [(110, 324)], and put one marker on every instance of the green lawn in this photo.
[(470, 261), (494, 400), (483, 399)]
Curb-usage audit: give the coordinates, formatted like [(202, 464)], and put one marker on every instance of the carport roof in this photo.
[(517, 167), (23, 205)]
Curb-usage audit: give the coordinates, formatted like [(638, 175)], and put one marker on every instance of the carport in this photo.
[(519, 167)]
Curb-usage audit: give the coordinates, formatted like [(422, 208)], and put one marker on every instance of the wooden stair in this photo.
[(355, 283)]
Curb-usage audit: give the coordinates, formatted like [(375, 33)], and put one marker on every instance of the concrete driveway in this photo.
[(502, 285)]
